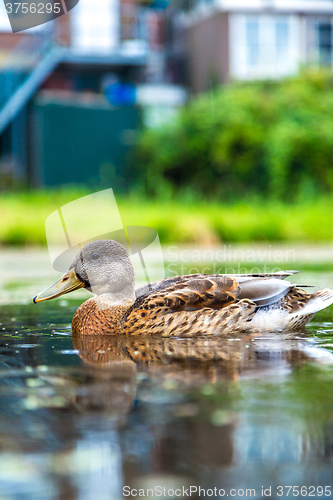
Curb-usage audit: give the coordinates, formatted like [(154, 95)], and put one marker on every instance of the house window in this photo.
[(264, 45), (95, 26), (324, 32)]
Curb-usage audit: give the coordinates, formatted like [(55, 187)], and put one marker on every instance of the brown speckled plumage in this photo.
[(188, 305), (296, 299), (97, 316), (183, 305)]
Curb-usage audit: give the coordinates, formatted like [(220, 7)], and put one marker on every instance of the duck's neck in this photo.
[(101, 314), (115, 298)]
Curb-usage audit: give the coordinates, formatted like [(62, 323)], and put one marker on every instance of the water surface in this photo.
[(85, 417)]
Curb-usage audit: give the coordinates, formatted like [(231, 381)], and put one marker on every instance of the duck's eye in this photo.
[(95, 256)]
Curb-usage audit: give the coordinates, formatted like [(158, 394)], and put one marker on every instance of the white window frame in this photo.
[(268, 65), (95, 26)]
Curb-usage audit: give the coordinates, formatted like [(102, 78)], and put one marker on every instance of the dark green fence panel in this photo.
[(82, 143)]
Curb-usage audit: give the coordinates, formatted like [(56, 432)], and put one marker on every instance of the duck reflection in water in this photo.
[(154, 374), (193, 361)]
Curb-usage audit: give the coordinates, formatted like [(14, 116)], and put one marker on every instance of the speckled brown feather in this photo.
[(189, 306), (186, 306), (161, 320), (296, 299), (96, 316)]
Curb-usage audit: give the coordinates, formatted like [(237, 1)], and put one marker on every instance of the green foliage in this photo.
[(182, 221), (23, 213), (273, 139)]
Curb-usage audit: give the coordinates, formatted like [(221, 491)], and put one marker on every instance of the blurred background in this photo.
[(182, 108)]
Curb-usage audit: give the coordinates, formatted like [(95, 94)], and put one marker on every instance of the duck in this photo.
[(187, 305)]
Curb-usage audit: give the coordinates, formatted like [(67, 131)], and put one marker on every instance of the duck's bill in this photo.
[(67, 283)]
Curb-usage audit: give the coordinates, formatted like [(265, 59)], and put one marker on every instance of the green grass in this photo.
[(185, 220)]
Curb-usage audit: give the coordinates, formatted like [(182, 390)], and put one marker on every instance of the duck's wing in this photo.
[(188, 305), (190, 292), (214, 291), (263, 291), (279, 275), (176, 280)]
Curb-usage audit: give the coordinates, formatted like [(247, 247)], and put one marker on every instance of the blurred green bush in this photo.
[(270, 138)]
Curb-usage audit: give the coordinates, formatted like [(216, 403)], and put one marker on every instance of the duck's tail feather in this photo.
[(317, 301), (293, 311)]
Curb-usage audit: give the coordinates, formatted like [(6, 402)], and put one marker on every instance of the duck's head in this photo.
[(103, 267)]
